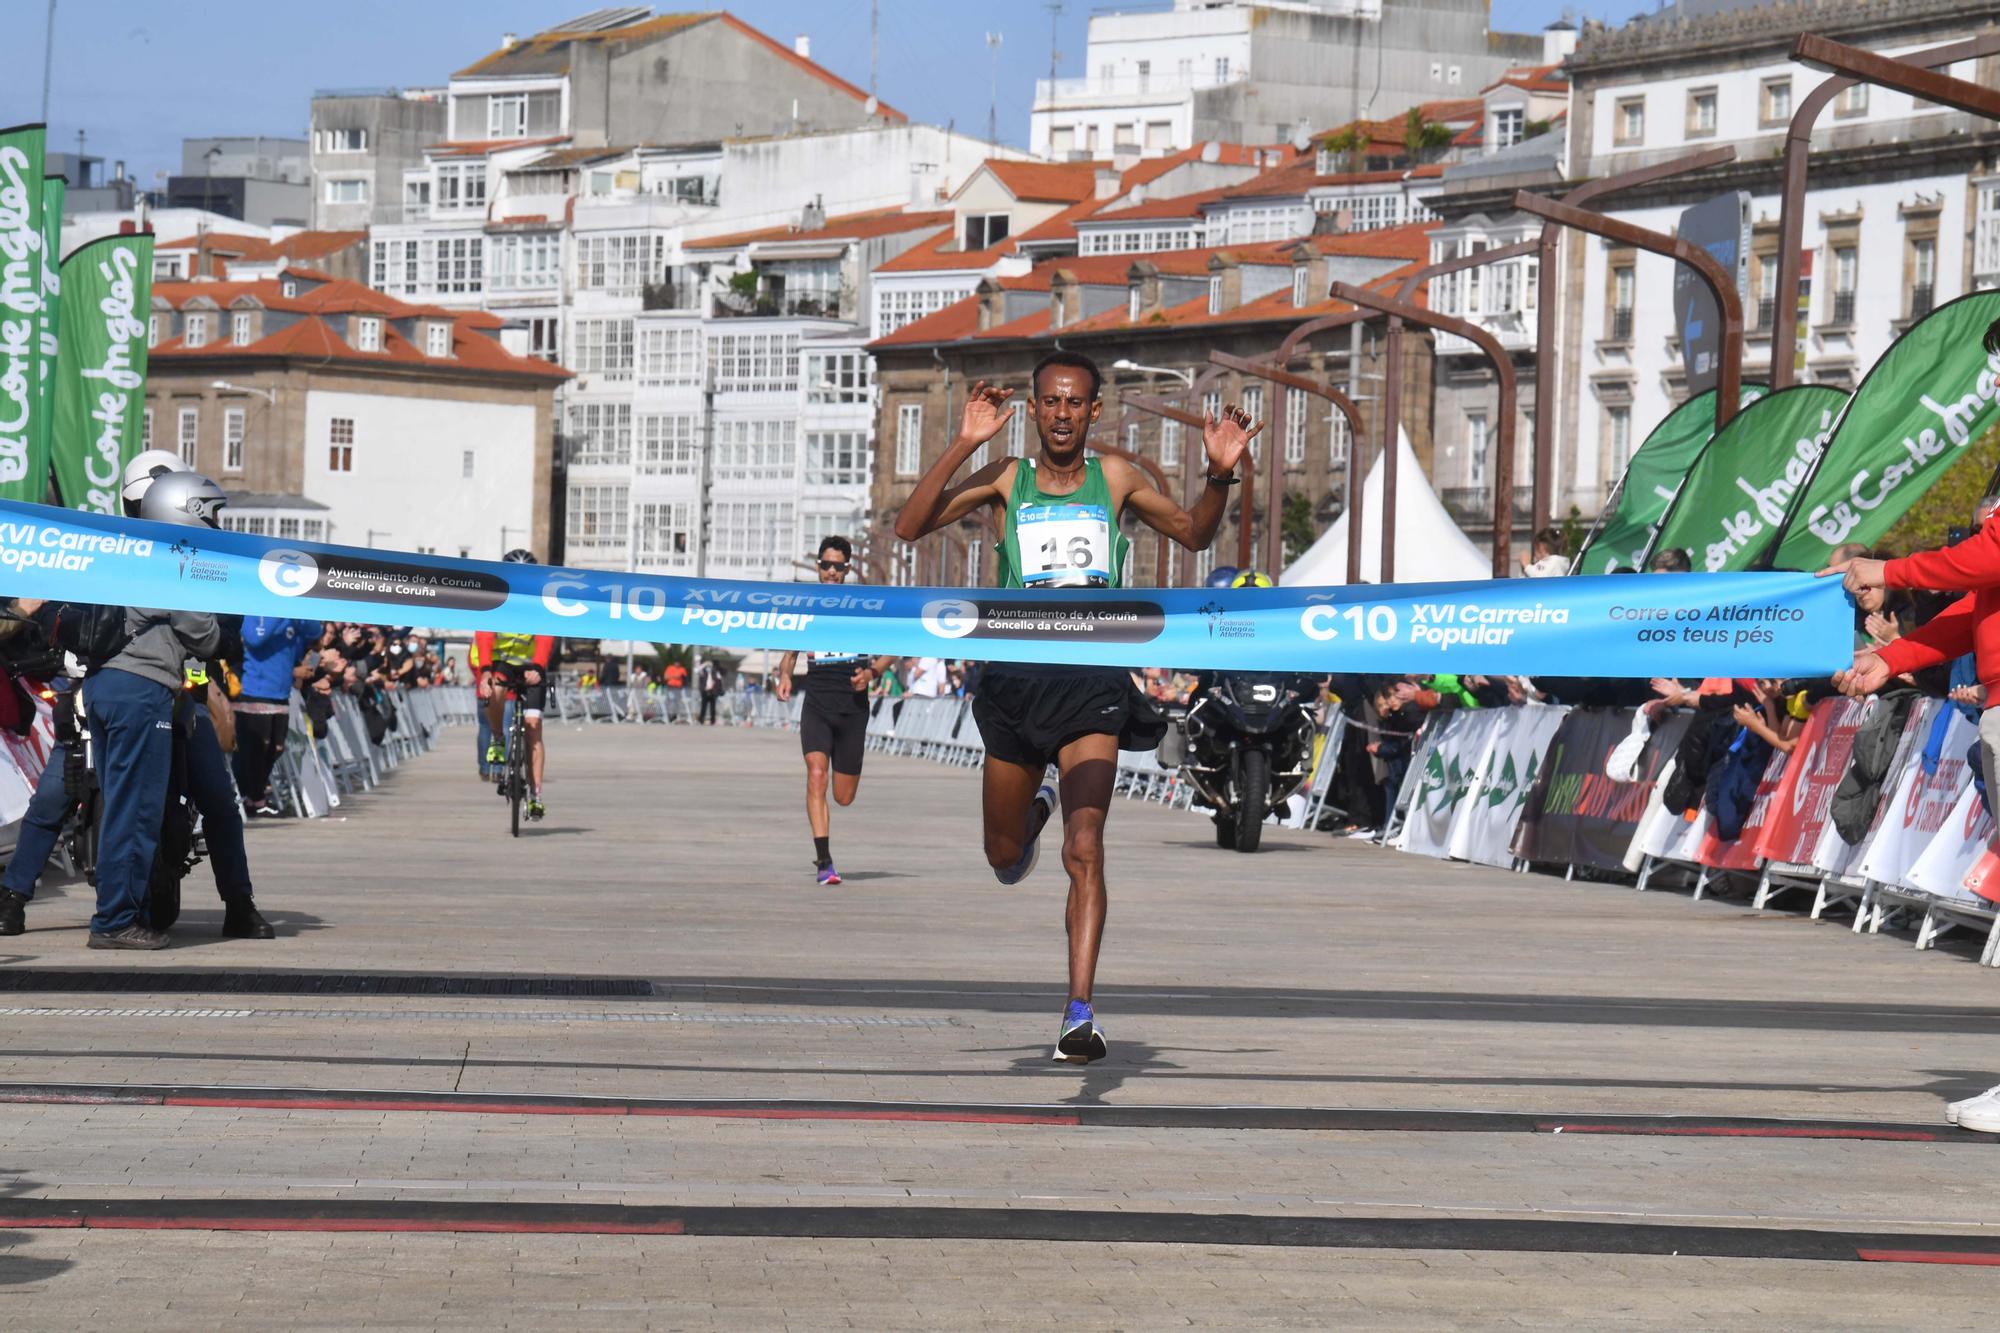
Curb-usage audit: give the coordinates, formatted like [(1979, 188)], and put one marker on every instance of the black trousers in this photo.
[(260, 739), (708, 708)]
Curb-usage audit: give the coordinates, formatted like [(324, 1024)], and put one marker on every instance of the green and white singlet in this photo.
[(1061, 541)]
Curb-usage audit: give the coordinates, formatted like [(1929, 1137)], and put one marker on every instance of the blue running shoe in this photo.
[(1014, 874), (1080, 1040), (828, 876)]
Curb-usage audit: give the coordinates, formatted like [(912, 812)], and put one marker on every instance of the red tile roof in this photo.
[(313, 336), (928, 255), (299, 246), (933, 255), (1534, 78), (1179, 206), (849, 226), (1409, 245), (1047, 182)]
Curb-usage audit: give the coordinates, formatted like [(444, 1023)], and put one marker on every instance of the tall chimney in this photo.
[(1558, 42), (802, 47)]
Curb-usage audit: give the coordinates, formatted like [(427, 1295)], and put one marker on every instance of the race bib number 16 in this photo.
[(1064, 546)]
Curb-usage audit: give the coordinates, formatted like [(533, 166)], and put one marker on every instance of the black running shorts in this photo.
[(533, 699), (839, 730), (1027, 715)]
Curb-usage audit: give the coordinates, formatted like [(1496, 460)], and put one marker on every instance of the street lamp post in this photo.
[(1191, 450), (1503, 368)]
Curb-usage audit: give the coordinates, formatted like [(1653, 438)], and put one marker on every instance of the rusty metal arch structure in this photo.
[(1818, 51), (1356, 435), (1503, 368), (1721, 283)]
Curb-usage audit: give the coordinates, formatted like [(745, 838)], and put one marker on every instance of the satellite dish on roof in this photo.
[(1211, 151), (869, 107), (1301, 140)]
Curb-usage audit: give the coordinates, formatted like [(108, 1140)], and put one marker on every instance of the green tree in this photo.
[(1297, 530), (1948, 503), (1352, 141), (1423, 139)]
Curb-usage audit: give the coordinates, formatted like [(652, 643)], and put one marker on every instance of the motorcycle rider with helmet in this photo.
[(135, 704)]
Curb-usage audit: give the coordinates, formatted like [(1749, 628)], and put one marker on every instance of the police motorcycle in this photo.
[(166, 490), (1247, 743)]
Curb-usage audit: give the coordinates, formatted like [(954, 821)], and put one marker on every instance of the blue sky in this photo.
[(139, 75)]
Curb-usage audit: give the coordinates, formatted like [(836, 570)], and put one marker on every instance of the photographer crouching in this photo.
[(138, 705)]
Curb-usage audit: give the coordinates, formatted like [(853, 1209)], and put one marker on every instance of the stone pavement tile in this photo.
[(1362, 977), (175, 1280), (107, 1151)]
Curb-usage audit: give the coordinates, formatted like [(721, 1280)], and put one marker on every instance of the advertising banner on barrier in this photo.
[(100, 392), (1926, 399), (1448, 770), (1682, 625), (1487, 817), (1955, 851), (1917, 804), (1742, 852), (1805, 792), (1736, 496), (1577, 814), (21, 153)]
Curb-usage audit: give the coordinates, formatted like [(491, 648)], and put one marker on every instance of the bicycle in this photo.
[(513, 782)]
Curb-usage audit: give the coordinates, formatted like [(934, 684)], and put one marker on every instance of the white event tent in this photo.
[(1429, 546)]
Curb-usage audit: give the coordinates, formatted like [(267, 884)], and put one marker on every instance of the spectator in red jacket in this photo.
[(1969, 625)]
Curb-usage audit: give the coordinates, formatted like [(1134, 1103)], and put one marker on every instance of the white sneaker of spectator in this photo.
[(1981, 1113)]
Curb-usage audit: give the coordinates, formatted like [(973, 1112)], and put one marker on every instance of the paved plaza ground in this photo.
[(1337, 1073)]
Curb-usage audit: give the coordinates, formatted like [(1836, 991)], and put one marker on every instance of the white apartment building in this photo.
[(1264, 71), (751, 404), (593, 252), (1912, 188)]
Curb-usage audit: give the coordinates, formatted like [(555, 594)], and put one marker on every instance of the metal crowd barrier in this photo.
[(314, 773), (938, 729)]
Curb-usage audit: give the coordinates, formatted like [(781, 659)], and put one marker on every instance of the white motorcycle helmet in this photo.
[(141, 472), (185, 497)]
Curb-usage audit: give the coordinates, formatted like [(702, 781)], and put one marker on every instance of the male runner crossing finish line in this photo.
[(833, 723), (1059, 515)]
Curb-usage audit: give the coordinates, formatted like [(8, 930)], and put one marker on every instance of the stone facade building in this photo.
[(1163, 312), (332, 412)]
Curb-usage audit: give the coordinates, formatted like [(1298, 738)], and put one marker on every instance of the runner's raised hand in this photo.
[(1227, 438), (983, 417)]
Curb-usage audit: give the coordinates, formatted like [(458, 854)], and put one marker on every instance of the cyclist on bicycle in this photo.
[(516, 664)]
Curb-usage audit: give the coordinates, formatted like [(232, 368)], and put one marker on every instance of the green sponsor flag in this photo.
[(107, 293), (1931, 394), (1737, 494), (54, 189), (20, 308), (1651, 480)]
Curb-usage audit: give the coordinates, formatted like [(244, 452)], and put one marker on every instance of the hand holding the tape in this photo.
[(1868, 674), (1857, 575)]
